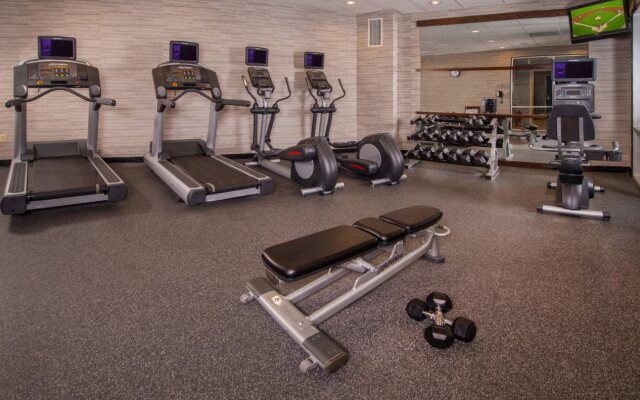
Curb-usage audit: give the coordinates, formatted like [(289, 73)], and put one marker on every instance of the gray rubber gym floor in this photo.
[(141, 299)]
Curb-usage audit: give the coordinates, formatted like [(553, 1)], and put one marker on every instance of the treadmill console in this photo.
[(54, 73), (318, 80), (181, 76), (57, 73), (260, 78)]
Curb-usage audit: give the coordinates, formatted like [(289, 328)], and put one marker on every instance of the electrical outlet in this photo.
[(3, 138)]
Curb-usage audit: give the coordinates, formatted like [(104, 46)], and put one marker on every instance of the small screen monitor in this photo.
[(598, 20), (184, 52), (56, 47), (256, 56), (582, 70), (313, 60)]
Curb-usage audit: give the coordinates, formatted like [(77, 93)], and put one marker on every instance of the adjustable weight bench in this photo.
[(374, 248)]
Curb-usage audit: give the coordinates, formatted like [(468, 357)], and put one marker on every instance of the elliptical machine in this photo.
[(378, 157), (313, 164), (571, 125)]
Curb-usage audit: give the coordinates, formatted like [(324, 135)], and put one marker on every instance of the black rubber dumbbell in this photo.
[(465, 138), (415, 152), (466, 158), (428, 153), (442, 332), (432, 134), (443, 135), (439, 155), (481, 158), (453, 156), (479, 138)]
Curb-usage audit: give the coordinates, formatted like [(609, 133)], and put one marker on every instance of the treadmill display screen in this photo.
[(313, 60), (56, 47), (184, 52), (257, 56)]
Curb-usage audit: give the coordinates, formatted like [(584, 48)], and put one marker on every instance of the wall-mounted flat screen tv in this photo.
[(599, 20)]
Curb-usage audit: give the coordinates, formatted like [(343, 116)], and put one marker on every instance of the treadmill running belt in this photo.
[(208, 170), (51, 178)]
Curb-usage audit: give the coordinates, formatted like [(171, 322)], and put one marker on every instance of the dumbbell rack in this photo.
[(494, 156)]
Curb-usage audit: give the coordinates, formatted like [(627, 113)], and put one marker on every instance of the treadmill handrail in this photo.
[(99, 100), (224, 102)]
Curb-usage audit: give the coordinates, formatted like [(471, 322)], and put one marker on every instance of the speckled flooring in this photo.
[(141, 299)]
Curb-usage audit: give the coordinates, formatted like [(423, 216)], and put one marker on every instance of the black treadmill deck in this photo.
[(58, 177), (215, 174)]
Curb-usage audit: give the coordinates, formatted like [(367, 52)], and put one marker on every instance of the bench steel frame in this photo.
[(322, 350)]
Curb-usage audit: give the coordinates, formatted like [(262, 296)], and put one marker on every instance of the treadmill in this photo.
[(190, 167), (59, 173)]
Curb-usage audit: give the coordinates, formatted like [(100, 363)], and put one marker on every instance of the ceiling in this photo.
[(403, 6), (497, 35)]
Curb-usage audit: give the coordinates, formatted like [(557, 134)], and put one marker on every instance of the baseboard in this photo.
[(140, 159), (123, 159)]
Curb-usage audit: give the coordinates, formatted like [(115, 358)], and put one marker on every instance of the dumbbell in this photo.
[(479, 138), (448, 137), (453, 156), (442, 332), (460, 137), (428, 153), (415, 152), (443, 135), (430, 119), (416, 121), (466, 158), (464, 138), (433, 134), (440, 155), (480, 121), (481, 158)]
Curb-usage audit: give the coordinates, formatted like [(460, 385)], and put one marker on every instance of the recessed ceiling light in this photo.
[(434, 2), (350, 2), (475, 31), (502, 47), (490, 41)]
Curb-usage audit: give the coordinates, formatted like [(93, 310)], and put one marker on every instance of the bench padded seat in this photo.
[(307, 255), (384, 231), (413, 219)]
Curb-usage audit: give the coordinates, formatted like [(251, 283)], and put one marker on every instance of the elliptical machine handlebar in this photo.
[(310, 89), (286, 81), (98, 100), (344, 93), (246, 86), (255, 100)]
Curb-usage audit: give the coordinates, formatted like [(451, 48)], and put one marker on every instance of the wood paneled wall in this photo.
[(441, 92), (388, 77), (377, 69), (126, 39), (614, 93)]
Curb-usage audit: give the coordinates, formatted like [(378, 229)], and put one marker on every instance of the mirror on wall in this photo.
[(499, 66)]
